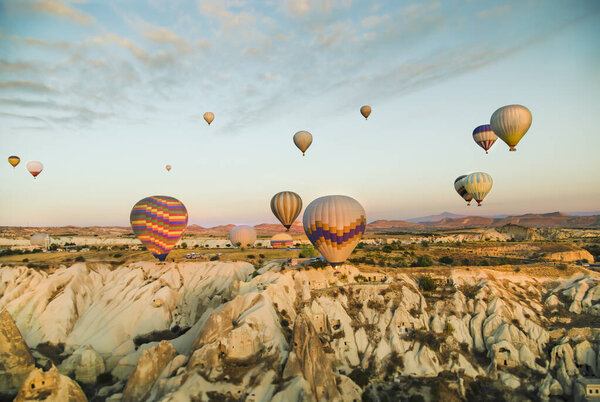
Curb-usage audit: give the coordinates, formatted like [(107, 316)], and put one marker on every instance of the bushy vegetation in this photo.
[(426, 283), (80, 258), (360, 377), (422, 261), (307, 251), (447, 260)]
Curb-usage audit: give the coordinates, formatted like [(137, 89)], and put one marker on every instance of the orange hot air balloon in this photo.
[(209, 117), (14, 160), (365, 111), (168, 167)]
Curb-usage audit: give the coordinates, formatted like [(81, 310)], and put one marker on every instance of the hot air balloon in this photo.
[(334, 224), (459, 186), (286, 207), (303, 139), (168, 167), (35, 168), (159, 221), (365, 111), (40, 239), (209, 117), (14, 160), (242, 235), (484, 137), (478, 184), (510, 123), (282, 240)]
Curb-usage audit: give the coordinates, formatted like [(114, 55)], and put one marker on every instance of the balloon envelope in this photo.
[(14, 160), (478, 184), (459, 186), (286, 207), (510, 123), (158, 222), (168, 167), (35, 168), (334, 224), (303, 139), (484, 137), (365, 111), (244, 235), (40, 239), (209, 117), (282, 240)]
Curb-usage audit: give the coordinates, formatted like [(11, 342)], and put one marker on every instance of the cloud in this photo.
[(221, 10), (163, 35), (18, 66), (28, 86), (303, 7), (59, 9)]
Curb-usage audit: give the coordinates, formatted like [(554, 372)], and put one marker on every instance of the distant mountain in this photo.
[(447, 221), (393, 225), (435, 218), (584, 213)]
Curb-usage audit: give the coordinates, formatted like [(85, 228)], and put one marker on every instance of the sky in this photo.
[(106, 93)]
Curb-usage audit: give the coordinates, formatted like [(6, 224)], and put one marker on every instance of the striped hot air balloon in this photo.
[(159, 221), (484, 137), (286, 207), (334, 224), (282, 240), (510, 123), (459, 186), (14, 160), (478, 184), (242, 235)]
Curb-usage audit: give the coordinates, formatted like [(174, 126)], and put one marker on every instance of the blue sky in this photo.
[(105, 94)]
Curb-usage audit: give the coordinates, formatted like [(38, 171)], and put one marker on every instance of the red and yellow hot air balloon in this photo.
[(14, 160), (159, 222)]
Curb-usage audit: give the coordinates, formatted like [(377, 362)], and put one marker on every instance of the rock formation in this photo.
[(16, 360), (50, 386)]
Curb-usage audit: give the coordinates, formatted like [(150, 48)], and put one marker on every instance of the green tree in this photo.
[(307, 251)]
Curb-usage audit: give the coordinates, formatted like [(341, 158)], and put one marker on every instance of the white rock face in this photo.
[(50, 386), (238, 341), (89, 366)]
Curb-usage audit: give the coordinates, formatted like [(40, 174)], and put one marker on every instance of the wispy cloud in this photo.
[(222, 10), (55, 8), (494, 12), (27, 86)]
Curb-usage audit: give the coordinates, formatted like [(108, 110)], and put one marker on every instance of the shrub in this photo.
[(251, 256), (261, 256), (422, 261), (416, 398), (426, 283), (517, 269), (448, 328), (285, 323), (117, 255), (425, 243), (465, 261), (307, 251), (387, 248), (562, 267), (79, 258), (484, 263), (446, 260), (360, 279), (343, 277), (184, 245), (25, 259), (360, 377), (214, 258), (318, 264)]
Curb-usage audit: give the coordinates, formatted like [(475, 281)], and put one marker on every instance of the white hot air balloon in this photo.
[(40, 240), (242, 235), (286, 207), (478, 184), (35, 168), (334, 224), (303, 139), (510, 123)]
